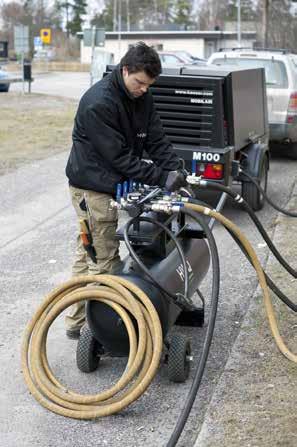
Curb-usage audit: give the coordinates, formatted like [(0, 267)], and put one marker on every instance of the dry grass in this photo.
[(33, 127)]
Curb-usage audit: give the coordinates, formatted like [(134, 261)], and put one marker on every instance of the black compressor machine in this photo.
[(168, 258)]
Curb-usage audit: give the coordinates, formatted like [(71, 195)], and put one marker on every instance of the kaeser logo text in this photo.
[(194, 92)]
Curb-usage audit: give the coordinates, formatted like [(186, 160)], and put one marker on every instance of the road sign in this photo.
[(37, 43), (45, 35), (97, 34), (21, 39)]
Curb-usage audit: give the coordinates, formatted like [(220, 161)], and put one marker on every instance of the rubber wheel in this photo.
[(87, 351), (178, 363), (292, 151), (250, 192)]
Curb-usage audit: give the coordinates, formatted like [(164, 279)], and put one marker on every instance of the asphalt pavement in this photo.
[(67, 84)]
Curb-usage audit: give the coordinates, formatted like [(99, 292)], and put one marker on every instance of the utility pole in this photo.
[(114, 27), (238, 23), (119, 24), (211, 15), (128, 15), (265, 22)]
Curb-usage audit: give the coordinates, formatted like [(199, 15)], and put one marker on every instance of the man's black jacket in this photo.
[(111, 132)]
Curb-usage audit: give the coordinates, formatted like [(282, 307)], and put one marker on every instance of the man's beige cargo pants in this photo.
[(102, 223)]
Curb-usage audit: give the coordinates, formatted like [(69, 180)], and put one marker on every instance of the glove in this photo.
[(175, 180)]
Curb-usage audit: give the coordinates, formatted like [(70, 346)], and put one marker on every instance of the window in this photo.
[(275, 71), (170, 59)]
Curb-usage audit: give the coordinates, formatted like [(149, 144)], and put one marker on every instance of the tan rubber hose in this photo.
[(144, 354), (256, 263)]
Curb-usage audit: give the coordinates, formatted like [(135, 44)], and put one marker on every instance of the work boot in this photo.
[(73, 334)]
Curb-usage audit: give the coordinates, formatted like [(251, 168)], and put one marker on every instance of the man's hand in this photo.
[(175, 180)]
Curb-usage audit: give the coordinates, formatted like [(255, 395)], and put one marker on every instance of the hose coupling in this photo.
[(193, 179), (164, 207), (113, 204)]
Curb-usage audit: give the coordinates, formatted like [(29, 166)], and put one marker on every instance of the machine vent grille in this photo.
[(189, 110)]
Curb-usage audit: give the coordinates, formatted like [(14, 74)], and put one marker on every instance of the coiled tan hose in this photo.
[(144, 355), (256, 263)]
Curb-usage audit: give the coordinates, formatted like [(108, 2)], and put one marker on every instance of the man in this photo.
[(115, 122)]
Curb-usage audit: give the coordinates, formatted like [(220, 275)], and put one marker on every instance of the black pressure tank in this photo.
[(106, 325)]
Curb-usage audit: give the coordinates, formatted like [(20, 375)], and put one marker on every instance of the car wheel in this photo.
[(250, 192), (292, 151), (4, 89)]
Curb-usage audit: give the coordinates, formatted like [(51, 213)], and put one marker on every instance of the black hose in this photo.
[(269, 281), (239, 199), (284, 298), (143, 267), (278, 208), (210, 329)]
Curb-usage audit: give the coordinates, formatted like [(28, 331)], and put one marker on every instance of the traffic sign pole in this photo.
[(21, 45)]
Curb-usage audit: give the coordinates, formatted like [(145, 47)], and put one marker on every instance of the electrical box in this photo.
[(3, 49), (27, 71)]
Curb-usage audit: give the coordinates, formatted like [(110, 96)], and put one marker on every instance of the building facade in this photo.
[(199, 43)]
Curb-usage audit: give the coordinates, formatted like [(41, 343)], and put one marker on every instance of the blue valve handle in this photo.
[(125, 189), (119, 192)]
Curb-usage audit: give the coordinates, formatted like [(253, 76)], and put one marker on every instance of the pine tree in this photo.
[(78, 10), (182, 11)]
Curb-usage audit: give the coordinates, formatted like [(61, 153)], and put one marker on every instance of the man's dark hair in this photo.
[(141, 57)]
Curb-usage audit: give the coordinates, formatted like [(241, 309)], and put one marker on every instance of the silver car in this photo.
[(4, 86), (179, 58), (281, 82)]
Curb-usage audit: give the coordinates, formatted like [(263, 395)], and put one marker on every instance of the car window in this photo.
[(275, 71), (186, 56), (294, 66), (170, 59)]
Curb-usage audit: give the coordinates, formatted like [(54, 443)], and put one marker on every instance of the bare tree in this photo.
[(277, 27), (12, 14)]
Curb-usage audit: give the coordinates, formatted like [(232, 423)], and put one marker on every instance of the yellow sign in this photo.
[(45, 35)]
